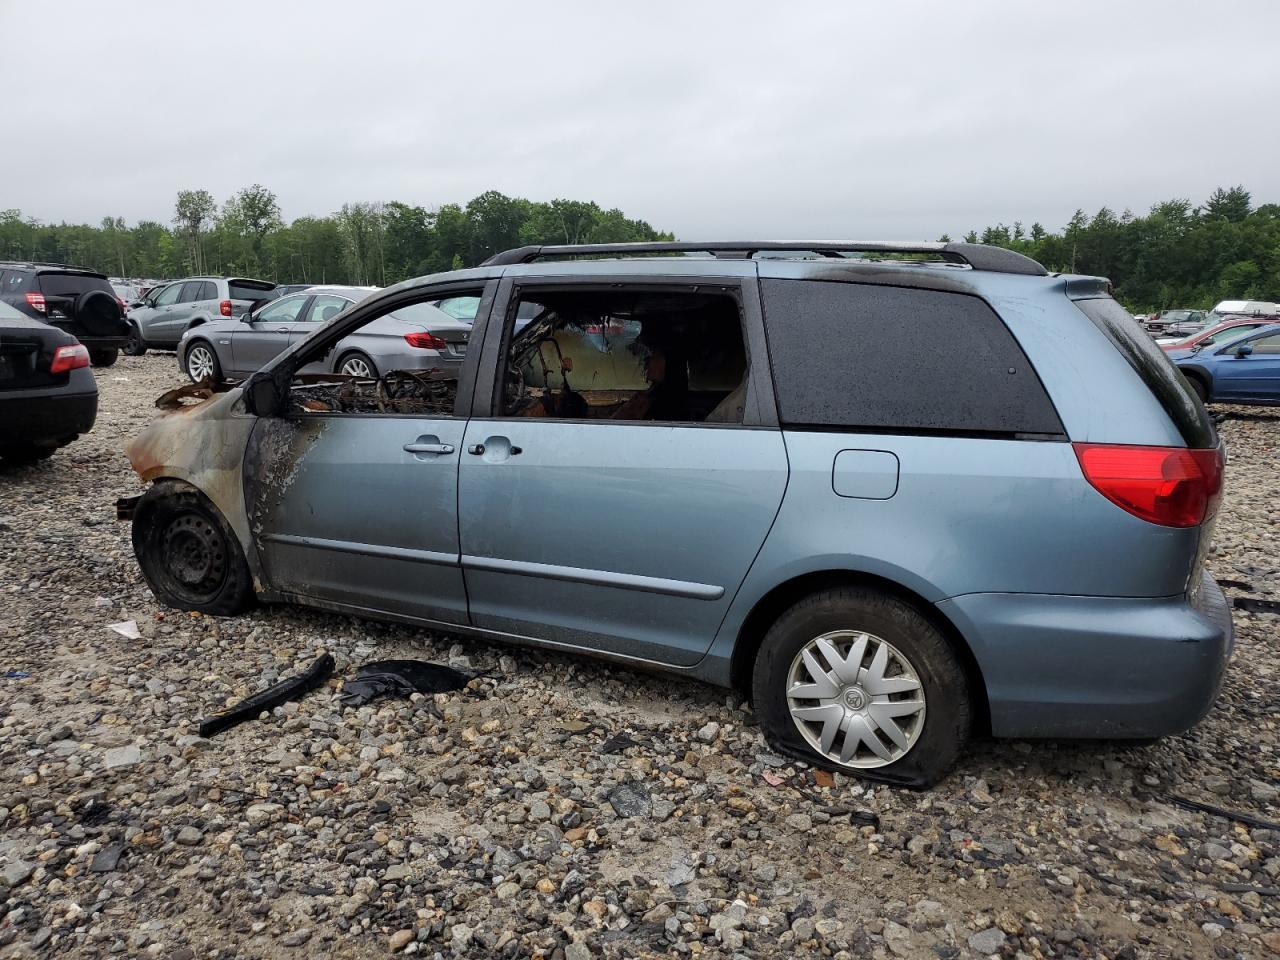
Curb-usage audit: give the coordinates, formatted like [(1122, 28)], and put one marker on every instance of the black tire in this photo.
[(134, 347), (1197, 385), (357, 355), (99, 314), (25, 453), (103, 358), (216, 376), (947, 711), (189, 555)]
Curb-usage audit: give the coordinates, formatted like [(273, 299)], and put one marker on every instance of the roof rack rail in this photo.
[(978, 256), (46, 263)]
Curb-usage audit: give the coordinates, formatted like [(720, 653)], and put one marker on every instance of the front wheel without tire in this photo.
[(859, 681), (188, 552)]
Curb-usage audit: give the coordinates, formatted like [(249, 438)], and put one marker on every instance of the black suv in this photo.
[(76, 301)]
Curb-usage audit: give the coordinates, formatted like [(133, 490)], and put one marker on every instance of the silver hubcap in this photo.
[(856, 699), (200, 363), (356, 367)]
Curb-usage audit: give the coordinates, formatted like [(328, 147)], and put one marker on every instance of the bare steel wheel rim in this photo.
[(856, 699), (200, 363), (356, 367)]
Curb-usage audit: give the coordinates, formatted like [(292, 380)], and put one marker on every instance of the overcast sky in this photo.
[(712, 119)]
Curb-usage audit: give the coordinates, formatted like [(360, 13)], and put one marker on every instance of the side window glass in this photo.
[(419, 351), (13, 282), (284, 310), (460, 308), (632, 355), (325, 307), (169, 295), (852, 355), (1267, 346)]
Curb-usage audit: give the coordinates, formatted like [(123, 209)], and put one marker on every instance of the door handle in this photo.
[(428, 448), (495, 449)]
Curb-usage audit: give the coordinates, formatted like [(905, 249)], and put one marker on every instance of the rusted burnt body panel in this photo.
[(202, 444), (271, 466)]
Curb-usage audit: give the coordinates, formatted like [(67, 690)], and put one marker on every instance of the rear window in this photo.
[(252, 291), (14, 281), (888, 358), (71, 284), (1155, 368)]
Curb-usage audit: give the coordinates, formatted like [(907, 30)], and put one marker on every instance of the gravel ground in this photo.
[(564, 808)]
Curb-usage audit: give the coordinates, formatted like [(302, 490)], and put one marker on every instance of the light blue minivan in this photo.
[(898, 493)]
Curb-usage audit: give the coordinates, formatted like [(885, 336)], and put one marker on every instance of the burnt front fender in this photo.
[(203, 444)]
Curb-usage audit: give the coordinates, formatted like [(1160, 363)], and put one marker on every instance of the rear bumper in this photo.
[(48, 416), (1097, 667), (90, 341)]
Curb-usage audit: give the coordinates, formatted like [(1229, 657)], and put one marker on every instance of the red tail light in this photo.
[(69, 358), (36, 301), (427, 341), (225, 308), (1171, 486)]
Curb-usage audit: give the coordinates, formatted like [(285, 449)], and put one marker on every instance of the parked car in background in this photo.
[(284, 289), (1177, 322), (1245, 370), (167, 312), (48, 396), (77, 301), (846, 518), (1243, 308), (1228, 329), (419, 337), (127, 292)]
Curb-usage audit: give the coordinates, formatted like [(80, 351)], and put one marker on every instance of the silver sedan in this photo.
[(418, 337)]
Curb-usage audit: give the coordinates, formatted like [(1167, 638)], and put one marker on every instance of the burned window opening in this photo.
[(631, 355), (398, 392)]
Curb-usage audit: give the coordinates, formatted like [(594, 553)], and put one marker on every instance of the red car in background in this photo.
[(1218, 333)]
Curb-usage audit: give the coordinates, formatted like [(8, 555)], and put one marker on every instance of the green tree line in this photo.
[(1178, 255), (362, 243)]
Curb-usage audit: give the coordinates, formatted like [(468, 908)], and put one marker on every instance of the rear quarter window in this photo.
[(14, 282), (896, 359), (1155, 369)]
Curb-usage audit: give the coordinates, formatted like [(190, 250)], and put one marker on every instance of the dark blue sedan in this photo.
[(1245, 370)]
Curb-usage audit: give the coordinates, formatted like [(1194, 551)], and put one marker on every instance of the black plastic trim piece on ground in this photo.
[(288, 689), (1195, 805)]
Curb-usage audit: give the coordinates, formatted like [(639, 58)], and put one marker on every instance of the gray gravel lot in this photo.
[(514, 829)]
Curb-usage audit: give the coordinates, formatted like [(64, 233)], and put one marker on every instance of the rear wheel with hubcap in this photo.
[(356, 364), (856, 680), (202, 362)]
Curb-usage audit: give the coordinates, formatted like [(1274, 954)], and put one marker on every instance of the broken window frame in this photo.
[(760, 406), (283, 369)]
